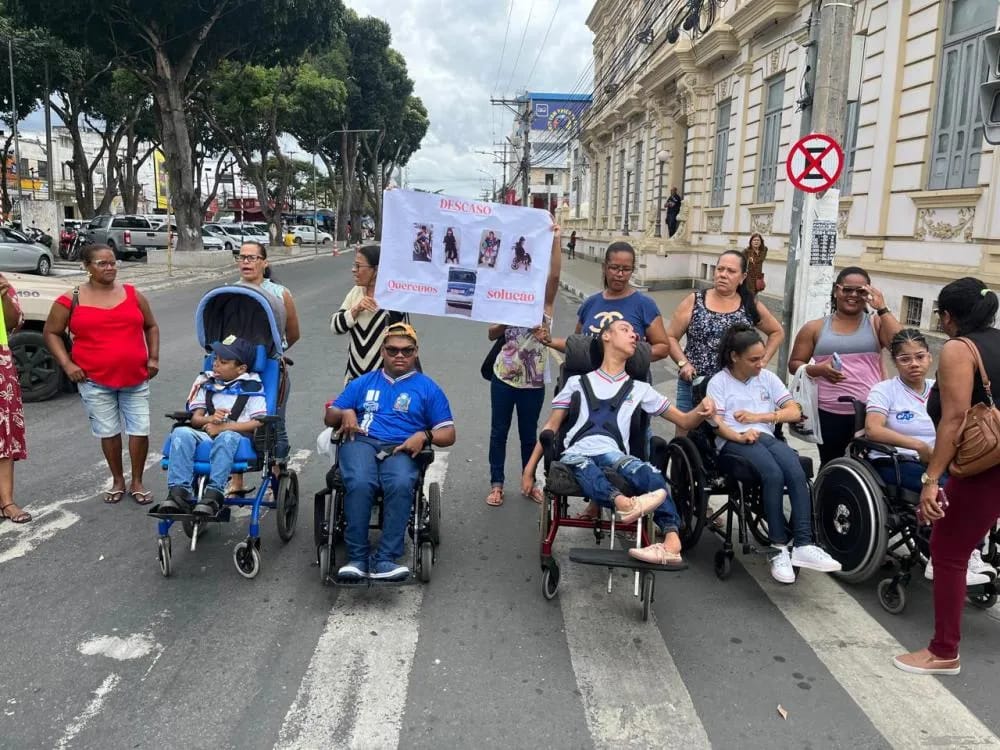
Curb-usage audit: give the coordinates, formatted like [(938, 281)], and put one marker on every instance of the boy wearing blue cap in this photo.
[(225, 403)]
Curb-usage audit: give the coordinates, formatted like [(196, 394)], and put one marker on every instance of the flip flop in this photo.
[(142, 498), (535, 495), (495, 498), (113, 496)]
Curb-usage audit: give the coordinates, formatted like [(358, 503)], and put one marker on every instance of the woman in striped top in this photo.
[(361, 316)]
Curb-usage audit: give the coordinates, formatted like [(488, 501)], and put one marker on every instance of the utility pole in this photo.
[(828, 67), (13, 122), (526, 153), (49, 164), (523, 115)]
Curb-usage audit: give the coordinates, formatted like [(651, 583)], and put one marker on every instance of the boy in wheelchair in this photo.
[(598, 440), (402, 411), (225, 404)]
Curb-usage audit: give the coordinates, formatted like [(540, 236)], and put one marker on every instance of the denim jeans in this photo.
[(910, 473), (503, 400), (184, 442), (642, 476), (779, 467), (685, 398), (363, 475), (115, 410)]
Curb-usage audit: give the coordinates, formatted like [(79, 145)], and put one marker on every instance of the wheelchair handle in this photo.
[(846, 399)]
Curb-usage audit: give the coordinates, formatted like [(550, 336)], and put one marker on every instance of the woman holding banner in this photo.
[(519, 375)]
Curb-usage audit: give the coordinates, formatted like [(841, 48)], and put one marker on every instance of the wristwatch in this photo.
[(926, 479), (682, 364), (883, 311)]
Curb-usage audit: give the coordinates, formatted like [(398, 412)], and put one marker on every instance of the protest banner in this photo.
[(463, 258)]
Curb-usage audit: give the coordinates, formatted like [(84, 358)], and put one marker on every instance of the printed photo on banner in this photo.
[(422, 244), (451, 246), (463, 258), (489, 248)]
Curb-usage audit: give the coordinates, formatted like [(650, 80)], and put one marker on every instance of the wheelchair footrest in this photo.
[(221, 517), (618, 558), (371, 583)]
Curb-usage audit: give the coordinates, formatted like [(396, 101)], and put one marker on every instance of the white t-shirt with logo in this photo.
[(605, 386), (761, 394), (905, 411)]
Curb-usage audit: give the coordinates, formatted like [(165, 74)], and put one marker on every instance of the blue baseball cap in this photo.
[(235, 348)]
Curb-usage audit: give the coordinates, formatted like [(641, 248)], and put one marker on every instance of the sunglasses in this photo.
[(853, 291), (395, 351), (102, 264)]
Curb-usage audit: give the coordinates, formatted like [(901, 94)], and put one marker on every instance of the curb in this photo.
[(573, 291)]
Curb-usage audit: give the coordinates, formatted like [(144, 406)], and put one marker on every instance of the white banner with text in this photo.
[(463, 258)]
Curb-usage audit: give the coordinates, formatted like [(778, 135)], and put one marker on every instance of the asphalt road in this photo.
[(98, 650)]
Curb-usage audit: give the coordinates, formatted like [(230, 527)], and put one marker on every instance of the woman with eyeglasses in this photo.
[(843, 353), (704, 316), (361, 317), (116, 351), (255, 271)]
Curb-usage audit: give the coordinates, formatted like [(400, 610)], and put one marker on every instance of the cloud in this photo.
[(453, 53)]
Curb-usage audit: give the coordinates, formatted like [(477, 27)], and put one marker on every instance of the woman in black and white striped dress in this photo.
[(360, 316)]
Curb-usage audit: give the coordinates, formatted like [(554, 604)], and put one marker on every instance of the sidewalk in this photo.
[(581, 278)]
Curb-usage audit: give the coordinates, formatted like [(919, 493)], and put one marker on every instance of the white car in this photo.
[(309, 234)]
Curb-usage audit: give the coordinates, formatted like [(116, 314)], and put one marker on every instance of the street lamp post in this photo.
[(628, 194), (661, 158), (319, 144)]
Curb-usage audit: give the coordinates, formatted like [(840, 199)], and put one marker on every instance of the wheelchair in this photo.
[(696, 473), (584, 354), (868, 524), (244, 312), (330, 522)]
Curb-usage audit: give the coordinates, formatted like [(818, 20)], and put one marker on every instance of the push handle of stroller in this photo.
[(548, 442), (179, 416)]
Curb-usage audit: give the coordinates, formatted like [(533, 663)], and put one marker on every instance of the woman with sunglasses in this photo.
[(843, 353), (361, 317)]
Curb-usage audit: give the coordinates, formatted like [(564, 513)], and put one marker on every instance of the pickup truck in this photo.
[(40, 375), (130, 237)]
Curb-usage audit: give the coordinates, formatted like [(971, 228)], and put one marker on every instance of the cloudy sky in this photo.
[(457, 57)]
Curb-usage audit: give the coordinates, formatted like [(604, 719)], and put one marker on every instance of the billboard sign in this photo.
[(552, 113)]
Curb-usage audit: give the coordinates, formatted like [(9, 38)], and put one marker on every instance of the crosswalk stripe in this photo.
[(353, 694), (908, 710), (613, 673)]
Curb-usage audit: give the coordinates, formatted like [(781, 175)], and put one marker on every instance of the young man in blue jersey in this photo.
[(385, 419)]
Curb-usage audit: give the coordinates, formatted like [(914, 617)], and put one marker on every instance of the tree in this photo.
[(172, 45)]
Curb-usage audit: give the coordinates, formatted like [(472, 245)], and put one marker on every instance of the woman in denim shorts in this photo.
[(116, 350)]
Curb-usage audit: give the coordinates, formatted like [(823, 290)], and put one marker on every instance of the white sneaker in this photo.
[(814, 558), (978, 565), (781, 566), (972, 578)]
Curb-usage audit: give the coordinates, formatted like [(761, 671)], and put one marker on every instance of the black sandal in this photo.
[(22, 517)]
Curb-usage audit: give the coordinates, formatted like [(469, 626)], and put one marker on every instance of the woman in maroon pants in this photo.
[(967, 308)]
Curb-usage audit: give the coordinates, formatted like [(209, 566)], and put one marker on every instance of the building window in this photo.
[(957, 145), (913, 311), (767, 173), (850, 148), (43, 170), (721, 154), (621, 182)]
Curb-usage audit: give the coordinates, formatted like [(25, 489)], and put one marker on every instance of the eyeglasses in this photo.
[(248, 258), (853, 291), (395, 351), (105, 264), (620, 269), (358, 267), (909, 359)]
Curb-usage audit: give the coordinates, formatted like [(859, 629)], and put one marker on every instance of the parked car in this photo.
[(303, 233), (461, 288), (235, 235), (41, 376), (230, 243), (127, 236), (209, 241), (18, 253)]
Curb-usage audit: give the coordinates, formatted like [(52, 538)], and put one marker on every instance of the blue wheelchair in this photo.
[(247, 313)]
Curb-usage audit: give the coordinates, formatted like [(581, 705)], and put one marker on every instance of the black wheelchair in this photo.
[(584, 354), (868, 524), (696, 473), (423, 530)]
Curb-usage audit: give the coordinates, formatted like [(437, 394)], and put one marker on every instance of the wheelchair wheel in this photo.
[(550, 581), (246, 556), (287, 505), (325, 559), (851, 518), (723, 564), (434, 510), (426, 561), (985, 600), (647, 594), (163, 555), (686, 473), (892, 596), (322, 502)]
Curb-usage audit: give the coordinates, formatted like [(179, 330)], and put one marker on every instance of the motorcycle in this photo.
[(37, 235), (76, 246)]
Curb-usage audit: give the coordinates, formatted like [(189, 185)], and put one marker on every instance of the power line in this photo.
[(542, 45), (503, 49), (531, 9)]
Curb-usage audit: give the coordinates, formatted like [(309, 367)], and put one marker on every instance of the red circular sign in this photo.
[(814, 163)]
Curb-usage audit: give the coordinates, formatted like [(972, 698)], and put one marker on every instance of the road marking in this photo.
[(353, 694), (51, 518), (617, 658), (908, 710), (89, 712), (134, 646)]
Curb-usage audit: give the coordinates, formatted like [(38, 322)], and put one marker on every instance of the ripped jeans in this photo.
[(641, 476)]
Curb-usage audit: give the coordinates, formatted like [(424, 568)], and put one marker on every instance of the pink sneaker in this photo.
[(924, 662), (642, 505), (656, 554)]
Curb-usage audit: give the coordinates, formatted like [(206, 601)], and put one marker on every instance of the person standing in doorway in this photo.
[(674, 201)]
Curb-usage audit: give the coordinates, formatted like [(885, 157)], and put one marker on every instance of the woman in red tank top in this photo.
[(116, 350)]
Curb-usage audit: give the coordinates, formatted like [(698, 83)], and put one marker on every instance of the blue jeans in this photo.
[(910, 473), (184, 442), (685, 398), (778, 467), (363, 475), (115, 410), (642, 476), (503, 400)]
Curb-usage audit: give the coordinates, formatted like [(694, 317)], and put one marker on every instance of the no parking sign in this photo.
[(814, 163)]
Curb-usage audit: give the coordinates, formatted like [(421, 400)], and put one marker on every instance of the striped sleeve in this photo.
[(342, 321)]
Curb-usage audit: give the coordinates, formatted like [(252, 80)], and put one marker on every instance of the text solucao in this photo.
[(506, 295)]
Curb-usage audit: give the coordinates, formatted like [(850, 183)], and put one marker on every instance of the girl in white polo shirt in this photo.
[(749, 402), (897, 416)]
